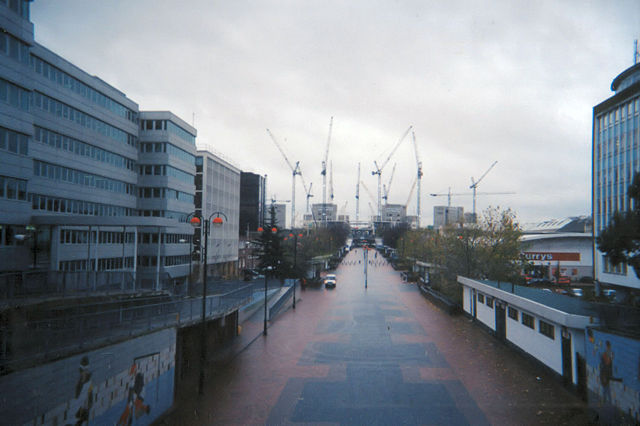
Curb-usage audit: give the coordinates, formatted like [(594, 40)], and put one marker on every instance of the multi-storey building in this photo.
[(616, 157), (327, 212), (281, 215), (252, 202), (446, 215), (218, 193), (394, 213), (87, 182)]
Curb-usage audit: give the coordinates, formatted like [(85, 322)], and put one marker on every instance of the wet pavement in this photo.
[(381, 355)]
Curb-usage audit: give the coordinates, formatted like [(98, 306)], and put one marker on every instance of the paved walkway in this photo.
[(381, 355)]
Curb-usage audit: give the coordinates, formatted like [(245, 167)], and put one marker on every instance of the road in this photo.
[(381, 355)]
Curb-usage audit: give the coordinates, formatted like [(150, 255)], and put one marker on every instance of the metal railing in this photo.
[(60, 333)]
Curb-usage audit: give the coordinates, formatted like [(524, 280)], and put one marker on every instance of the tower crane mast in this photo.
[(358, 195), (324, 175), (295, 171), (418, 178), (387, 188)]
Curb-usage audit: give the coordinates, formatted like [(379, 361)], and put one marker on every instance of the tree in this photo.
[(271, 255), (620, 241)]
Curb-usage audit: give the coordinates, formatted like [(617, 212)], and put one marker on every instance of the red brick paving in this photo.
[(508, 388)]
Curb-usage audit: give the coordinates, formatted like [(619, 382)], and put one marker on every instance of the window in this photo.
[(528, 321), (547, 329), (513, 313), (480, 298), (490, 302)]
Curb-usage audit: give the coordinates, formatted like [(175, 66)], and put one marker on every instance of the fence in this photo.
[(17, 285), (26, 342)]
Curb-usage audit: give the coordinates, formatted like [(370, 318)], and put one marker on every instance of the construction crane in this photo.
[(323, 172), (378, 170), (295, 171), (413, 187), (474, 186), (343, 209), (358, 195), (331, 181), (308, 193), (418, 179), (387, 188)]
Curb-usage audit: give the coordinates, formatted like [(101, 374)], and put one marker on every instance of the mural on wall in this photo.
[(129, 383), (613, 374)]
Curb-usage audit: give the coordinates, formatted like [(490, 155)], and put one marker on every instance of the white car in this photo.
[(330, 280)]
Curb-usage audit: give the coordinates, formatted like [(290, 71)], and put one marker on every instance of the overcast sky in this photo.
[(512, 81)]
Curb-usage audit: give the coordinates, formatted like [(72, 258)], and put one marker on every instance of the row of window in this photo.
[(14, 47), (104, 264), (14, 95), (62, 110), (170, 126), (86, 208), (66, 143), (619, 269), (162, 170), (169, 149), (172, 194), (15, 142), (527, 320), (179, 216), (79, 236), (65, 174), (13, 189), (164, 260), (62, 78), (21, 7)]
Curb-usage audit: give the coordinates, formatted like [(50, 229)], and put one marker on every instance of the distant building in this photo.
[(616, 153), (394, 214), (446, 215), (252, 202), (218, 190), (281, 215), (324, 212), (343, 218), (581, 224)]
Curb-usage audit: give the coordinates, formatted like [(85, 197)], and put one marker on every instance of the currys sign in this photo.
[(551, 256)]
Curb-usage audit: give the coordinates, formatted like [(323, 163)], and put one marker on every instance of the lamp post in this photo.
[(196, 221), (266, 274), (295, 262)]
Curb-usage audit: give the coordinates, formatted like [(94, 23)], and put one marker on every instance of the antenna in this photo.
[(636, 53)]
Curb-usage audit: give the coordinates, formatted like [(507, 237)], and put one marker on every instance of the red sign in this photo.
[(551, 256)]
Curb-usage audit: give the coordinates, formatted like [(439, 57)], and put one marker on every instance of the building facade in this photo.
[(327, 212), (218, 194), (88, 184), (616, 157), (446, 215), (252, 202), (281, 215)]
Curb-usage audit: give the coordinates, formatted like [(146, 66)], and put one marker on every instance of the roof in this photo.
[(565, 310), (554, 236), (578, 224)]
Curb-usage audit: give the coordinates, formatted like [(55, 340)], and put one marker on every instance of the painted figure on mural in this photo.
[(80, 406), (135, 406)]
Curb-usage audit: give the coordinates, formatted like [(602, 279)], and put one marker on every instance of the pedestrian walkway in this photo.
[(381, 355)]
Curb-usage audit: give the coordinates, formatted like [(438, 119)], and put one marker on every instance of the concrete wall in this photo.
[(545, 349), (623, 390), (53, 393), (485, 314)]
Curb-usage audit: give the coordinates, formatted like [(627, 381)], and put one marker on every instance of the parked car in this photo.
[(609, 292), (563, 280), (577, 292), (539, 281)]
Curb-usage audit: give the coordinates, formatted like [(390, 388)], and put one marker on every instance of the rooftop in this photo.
[(568, 304)]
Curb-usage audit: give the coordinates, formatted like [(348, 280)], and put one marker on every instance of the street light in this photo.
[(266, 274), (196, 221), (295, 262)]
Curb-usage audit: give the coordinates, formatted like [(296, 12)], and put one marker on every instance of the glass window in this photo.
[(528, 320), (12, 189), (2, 186)]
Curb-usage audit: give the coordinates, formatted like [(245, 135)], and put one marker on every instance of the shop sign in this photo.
[(551, 256)]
